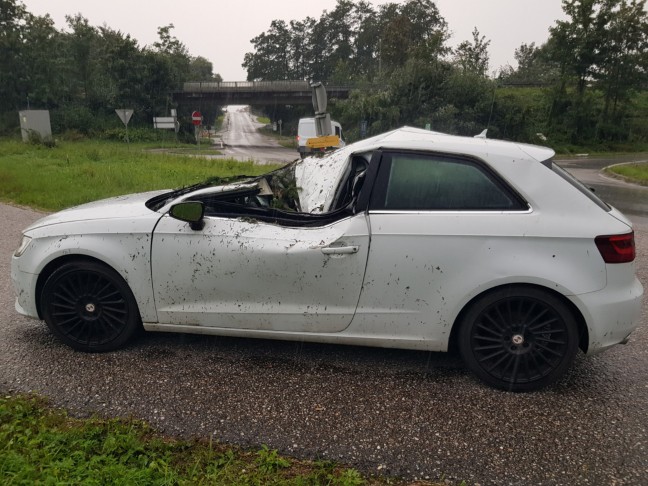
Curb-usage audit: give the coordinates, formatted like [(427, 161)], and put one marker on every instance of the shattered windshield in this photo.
[(161, 200), (303, 186)]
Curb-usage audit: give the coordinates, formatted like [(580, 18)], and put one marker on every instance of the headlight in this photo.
[(23, 246)]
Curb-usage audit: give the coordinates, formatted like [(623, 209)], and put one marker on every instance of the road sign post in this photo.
[(168, 123), (124, 115), (196, 119)]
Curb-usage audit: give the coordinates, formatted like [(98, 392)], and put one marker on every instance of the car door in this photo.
[(250, 274)]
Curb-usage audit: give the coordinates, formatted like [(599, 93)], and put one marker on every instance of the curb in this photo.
[(629, 180)]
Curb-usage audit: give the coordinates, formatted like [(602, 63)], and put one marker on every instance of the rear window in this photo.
[(589, 193), (420, 182), (307, 129)]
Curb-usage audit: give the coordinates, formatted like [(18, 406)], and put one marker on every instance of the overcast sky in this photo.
[(221, 30)]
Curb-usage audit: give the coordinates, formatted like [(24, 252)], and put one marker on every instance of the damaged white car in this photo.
[(411, 239)]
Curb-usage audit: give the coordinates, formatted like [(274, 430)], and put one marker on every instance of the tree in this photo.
[(168, 44), (12, 18), (271, 59), (45, 80), (119, 67), (601, 44), (81, 48), (84, 72), (366, 30), (28, 54), (577, 41), (623, 61), (175, 55), (352, 40), (473, 57), (534, 67), (200, 69), (339, 35), (300, 48), (413, 29)]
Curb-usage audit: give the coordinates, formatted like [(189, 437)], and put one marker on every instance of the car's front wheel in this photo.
[(89, 307), (518, 338)]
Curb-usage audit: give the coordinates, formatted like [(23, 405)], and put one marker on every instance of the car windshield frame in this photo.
[(283, 196), (159, 201)]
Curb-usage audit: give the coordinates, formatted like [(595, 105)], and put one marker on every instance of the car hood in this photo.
[(131, 206)]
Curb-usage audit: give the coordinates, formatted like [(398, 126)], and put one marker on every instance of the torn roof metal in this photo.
[(318, 177)]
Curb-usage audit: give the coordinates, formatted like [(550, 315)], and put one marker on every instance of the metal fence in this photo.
[(265, 86)]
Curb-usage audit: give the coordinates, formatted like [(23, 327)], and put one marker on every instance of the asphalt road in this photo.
[(631, 199), (243, 141), (413, 414)]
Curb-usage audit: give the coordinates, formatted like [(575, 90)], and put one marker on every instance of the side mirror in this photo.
[(191, 212)]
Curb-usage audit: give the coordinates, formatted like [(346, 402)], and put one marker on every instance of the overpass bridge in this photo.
[(254, 92)]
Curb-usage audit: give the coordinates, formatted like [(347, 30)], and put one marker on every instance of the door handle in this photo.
[(340, 250)]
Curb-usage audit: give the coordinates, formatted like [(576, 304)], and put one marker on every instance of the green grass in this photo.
[(263, 119), (196, 151), (218, 123), (637, 172), (43, 445), (77, 172), (286, 141)]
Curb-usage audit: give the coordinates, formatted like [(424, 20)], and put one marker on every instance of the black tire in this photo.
[(518, 338), (89, 307)]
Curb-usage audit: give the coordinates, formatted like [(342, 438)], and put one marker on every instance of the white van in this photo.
[(306, 130)]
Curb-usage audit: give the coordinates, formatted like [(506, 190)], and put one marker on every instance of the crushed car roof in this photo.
[(418, 138), (318, 177)]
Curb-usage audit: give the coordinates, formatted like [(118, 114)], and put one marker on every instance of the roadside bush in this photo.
[(138, 134), (73, 136), (73, 117), (9, 124), (35, 138)]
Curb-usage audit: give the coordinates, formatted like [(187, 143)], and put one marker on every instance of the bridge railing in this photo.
[(265, 86), (247, 86)]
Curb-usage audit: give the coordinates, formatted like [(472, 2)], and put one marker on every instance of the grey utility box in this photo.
[(36, 122)]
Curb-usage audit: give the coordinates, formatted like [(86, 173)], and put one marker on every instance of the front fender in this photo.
[(126, 253)]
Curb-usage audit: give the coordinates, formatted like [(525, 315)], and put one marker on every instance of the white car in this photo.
[(410, 239)]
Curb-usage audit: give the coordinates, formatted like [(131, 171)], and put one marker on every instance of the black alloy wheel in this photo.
[(519, 338), (89, 307)]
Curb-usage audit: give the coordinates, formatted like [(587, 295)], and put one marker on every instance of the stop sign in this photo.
[(196, 118)]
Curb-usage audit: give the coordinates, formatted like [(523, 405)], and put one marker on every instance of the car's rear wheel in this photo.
[(89, 307), (518, 338)]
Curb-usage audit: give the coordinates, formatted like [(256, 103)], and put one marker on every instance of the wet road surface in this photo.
[(413, 414), (630, 199), (243, 141)]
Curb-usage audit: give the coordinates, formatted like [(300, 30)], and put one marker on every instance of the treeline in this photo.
[(83, 73), (585, 86)]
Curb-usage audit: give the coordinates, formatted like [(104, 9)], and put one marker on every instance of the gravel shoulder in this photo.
[(414, 414)]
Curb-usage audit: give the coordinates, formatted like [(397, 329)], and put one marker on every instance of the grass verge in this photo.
[(195, 151), (635, 172), (73, 173), (42, 445), (284, 140)]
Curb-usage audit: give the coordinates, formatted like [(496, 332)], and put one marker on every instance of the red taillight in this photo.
[(616, 248)]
